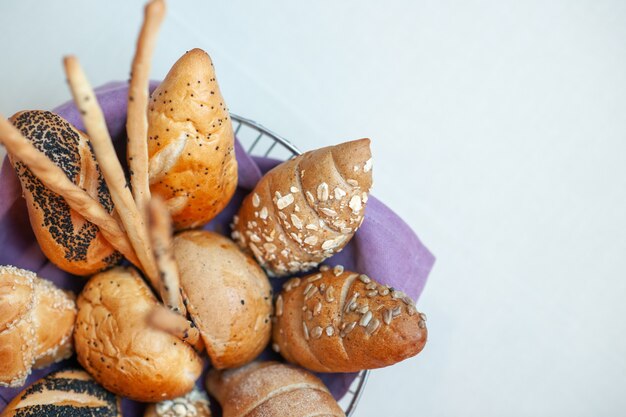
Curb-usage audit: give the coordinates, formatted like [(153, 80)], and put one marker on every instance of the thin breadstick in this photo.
[(138, 96), (55, 179), (162, 318), (85, 100), (161, 231)]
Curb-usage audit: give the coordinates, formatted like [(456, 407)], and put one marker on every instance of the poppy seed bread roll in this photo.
[(117, 347), (36, 324), (307, 208), (341, 321), (68, 240), (272, 389), (192, 163), (227, 295), (70, 392)]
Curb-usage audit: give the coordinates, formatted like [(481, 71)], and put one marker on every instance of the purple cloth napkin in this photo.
[(384, 248)]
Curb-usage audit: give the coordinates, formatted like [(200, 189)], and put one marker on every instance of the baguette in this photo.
[(306, 209), (271, 389), (192, 163), (341, 321)]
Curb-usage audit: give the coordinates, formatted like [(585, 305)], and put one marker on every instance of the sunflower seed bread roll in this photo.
[(341, 321), (66, 238), (271, 389), (306, 209), (36, 324), (192, 163), (116, 346), (193, 404), (70, 392)]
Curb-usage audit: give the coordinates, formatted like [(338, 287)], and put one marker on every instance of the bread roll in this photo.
[(193, 404), (271, 389), (192, 163), (227, 295), (341, 321), (120, 351), (36, 324), (65, 237), (69, 392), (306, 209)]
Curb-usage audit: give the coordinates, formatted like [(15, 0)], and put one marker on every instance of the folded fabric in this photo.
[(384, 248)]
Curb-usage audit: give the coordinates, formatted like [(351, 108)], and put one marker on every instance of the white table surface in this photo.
[(499, 134)]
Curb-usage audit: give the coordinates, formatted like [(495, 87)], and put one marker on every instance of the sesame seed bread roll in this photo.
[(36, 324), (341, 321), (228, 297), (116, 346), (306, 209), (66, 238), (193, 404), (192, 163), (271, 389), (70, 392)]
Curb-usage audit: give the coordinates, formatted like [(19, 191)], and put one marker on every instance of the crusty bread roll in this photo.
[(193, 404), (306, 209), (227, 294), (36, 324), (69, 392), (271, 389), (341, 321), (115, 345), (192, 162), (65, 237)]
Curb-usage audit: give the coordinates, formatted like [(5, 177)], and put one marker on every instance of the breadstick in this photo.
[(162, 318), (85, 100), (55, 179), (138, 96), (161, 232)]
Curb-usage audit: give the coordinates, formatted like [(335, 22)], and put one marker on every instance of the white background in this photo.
[(499, 134)]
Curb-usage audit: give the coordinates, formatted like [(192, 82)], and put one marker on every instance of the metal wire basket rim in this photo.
[(363, 375)]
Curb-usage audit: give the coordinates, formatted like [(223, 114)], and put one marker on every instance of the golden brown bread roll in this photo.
[(227, 295), (65, 237), (341, 321), (69, 392), (192, 162), (120, 351), (193, 404), (306, 209), (36, 324), (272, 389)]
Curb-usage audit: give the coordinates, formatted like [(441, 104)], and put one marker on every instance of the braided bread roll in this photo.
[(69, 392), (306, 209), (271, 389), (341, 321), (66, 238), (192, 163), (36, 324)]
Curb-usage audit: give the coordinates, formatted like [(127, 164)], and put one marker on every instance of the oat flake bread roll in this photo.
[(193, 404), (69, 392), (70, 242), (306, 209), (116, 346), (271, 389), (341, 321), (36, 324), (192, 163), (227, 295)]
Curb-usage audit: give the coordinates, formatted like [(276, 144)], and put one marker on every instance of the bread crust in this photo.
[(271, 389), (228, 297), (306, 209), (116, 346), (341, 321), (66, 238), (192, 163)]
